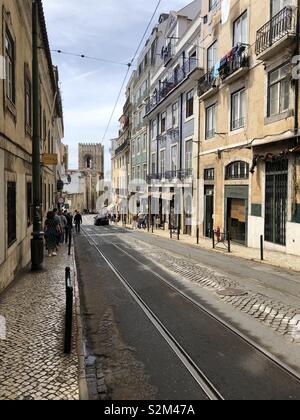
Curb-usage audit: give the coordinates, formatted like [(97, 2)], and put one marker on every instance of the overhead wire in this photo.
[(129, 67)]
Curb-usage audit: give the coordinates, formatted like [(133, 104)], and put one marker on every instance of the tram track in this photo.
[(197, 373)]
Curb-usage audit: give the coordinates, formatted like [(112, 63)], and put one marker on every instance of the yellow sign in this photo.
[(50, 159)]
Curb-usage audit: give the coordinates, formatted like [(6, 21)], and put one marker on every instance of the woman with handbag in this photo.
[(52, 230)]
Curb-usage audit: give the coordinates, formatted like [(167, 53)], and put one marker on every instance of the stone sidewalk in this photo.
[(32, 363), (277, 259)]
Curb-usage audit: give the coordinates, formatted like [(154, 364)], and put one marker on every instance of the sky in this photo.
[(106, 29)]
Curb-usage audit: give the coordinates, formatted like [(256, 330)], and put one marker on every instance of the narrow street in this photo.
[(154, 334)]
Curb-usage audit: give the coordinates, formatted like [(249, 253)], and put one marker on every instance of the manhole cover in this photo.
[(232, 292)]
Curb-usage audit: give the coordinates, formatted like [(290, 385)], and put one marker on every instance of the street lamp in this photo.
[(37, 242)]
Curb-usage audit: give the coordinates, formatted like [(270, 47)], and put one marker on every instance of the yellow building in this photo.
[(16, 132), (249, 123)]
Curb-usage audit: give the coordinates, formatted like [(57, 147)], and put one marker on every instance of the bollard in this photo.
[(152, 224), (69, 313), (262, 247), (70, 241), (229, 242), (171, 232), (198, 235), (213, 239), (178, 233)]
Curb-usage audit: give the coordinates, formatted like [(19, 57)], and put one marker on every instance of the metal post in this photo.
[(69, 313), (179, 226), (213, 239), (229, 242), (37, 243), (262, 247), (152, 223), (198, 235)]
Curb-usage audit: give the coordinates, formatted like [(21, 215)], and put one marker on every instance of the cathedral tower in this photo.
[(91, 157)]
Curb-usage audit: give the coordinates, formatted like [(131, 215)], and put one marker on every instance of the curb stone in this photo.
[(81, 348)]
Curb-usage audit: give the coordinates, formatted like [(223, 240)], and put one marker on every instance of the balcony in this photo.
[(172, 83), (175, 175), (276, 34), (236, 64), (167, 54), (122, 147), (207, 85)]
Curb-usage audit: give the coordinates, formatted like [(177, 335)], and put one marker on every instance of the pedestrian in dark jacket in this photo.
[(69, 226), (77, 221)]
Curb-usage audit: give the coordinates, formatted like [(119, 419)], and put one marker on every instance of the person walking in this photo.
[(77, 221), (51, 231), (69, 226), (63, 225)]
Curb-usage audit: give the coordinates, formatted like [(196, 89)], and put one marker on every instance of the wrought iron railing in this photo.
[(238, 123), (170, 175), (206, 82), (280, 25), (168, 53), (239, 59), (168, 86), (122, 147)]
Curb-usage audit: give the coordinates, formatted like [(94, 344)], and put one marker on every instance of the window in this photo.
[(212, 56), (189, 154), (238, 110), (278, 91), (153, 163), (28, 103), (11, 213), (237, 170), (10, 67), (174, 158), (175, 115), (145, 171), (133, 174), (209, 174), (138, 146), (163, 123), (276, 6), (145, 142), (162, 162), (138, 173), (190, 104), (240, 30), (133, 147), (153, 129), (210, 122)]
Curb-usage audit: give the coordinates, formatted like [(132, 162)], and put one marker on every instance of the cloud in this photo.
[(109, 29)]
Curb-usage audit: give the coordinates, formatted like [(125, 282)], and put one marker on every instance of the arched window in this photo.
[(89, 162), (237, 170)]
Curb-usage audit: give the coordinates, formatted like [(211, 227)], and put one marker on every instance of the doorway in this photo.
[(209, 211)]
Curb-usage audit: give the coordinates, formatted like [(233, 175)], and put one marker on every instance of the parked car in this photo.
[(101, 220)]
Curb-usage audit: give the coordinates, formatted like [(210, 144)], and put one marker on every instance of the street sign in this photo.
[(50, 159)]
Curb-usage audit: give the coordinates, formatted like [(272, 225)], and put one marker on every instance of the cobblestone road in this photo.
[(284, 319), (32, 363)]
